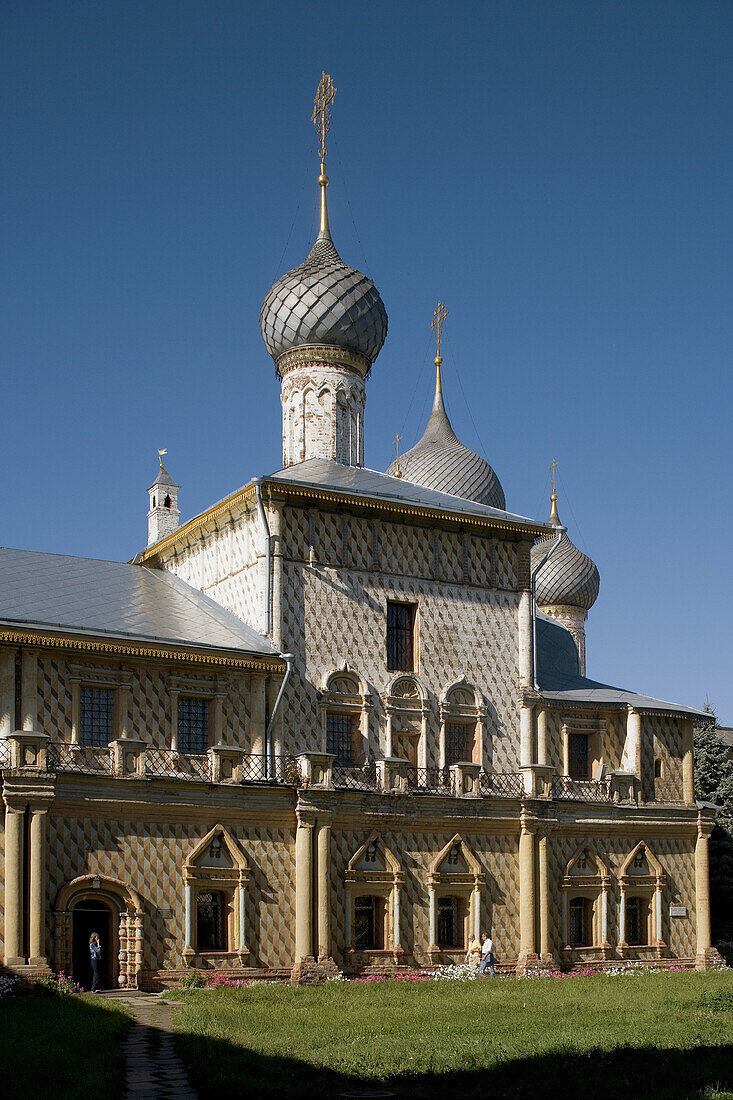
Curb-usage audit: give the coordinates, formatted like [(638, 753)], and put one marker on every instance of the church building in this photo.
[(340, 720)]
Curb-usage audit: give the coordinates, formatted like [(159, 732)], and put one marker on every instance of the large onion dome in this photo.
[(324, 301), (568, 578), (440, 461)]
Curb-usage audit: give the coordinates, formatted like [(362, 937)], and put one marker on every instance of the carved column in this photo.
[(303, 887), (323, 842), (702, 893), (14, 821), (527, 948)]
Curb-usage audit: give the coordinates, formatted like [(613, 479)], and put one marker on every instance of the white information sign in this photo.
[(678, 910)]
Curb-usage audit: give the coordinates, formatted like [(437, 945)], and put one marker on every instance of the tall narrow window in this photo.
[(210, 921), (340, 737), (401, 647), (579, 762), (637, 915), (459, 738), (448, 922), (96, 715), (368, 922), (193, 725), (580, 919)]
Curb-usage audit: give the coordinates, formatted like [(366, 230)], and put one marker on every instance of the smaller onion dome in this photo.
[(568, 578), (440, 461), (324, 301)]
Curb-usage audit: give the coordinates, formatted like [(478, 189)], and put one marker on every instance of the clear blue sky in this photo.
[(559, 173)]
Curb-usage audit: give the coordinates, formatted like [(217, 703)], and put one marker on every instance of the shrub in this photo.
[(193, 980), (9, 985), (61, 985)]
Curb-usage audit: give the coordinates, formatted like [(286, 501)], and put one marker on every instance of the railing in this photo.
[(350, 778), (4, 753), (501, 785), (430, 780), (170, 764), (87, 759), (581, 790), (255, 768)]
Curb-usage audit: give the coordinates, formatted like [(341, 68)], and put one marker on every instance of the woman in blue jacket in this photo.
[(95, 952)]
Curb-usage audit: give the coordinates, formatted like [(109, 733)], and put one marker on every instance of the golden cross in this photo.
[(322, 111), (436, 324), (160, 456), (552, 466)]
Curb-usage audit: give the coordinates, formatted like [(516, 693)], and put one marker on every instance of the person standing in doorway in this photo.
[(487, 954), (95, 952)]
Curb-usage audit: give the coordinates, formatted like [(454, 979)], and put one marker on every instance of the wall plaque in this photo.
[(678, 910)]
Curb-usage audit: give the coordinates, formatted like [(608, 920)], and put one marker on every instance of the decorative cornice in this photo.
[(124, 649), (327, 355)]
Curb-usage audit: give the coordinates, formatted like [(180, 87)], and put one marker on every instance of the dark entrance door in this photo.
[(88, 917)]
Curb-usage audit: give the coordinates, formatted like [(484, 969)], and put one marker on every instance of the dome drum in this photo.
[(322, 355)]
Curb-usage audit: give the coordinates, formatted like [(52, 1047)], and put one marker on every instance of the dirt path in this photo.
[(154, 1070)]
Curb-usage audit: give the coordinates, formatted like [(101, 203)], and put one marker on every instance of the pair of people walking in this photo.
[(483, 953)]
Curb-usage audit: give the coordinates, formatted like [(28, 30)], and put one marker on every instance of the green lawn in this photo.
[(62, 1048), (650, 1036)]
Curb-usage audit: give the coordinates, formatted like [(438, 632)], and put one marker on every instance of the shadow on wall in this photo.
[(218, 1068)]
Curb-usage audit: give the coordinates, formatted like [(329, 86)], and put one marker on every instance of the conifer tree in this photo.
[(714, 783)]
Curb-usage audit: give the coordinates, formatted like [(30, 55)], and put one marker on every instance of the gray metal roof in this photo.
[(320, 473), (560, 680), (440, 461), (110, 598), (324, 301), (164, 478), (568, 577)]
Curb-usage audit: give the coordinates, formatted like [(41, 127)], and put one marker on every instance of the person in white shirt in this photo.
[(487, 954)]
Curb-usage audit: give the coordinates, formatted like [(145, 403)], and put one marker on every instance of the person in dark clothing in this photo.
[(95, 952)]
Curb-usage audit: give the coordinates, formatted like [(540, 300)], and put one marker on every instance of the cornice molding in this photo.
[(143, 650), (327, 355)]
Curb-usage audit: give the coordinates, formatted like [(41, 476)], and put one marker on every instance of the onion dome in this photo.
[(440, 461), (323, 301), (568, 578)]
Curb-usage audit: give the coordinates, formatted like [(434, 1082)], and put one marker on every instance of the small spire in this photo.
[(321, 117), (397, 472), (554, 517), (436, 325)]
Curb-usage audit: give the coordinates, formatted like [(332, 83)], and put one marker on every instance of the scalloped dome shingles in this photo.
[(323, 301), (440, 461), (568, 578)]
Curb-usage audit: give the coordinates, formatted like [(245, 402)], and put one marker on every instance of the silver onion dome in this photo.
[(440, 461), (568, 578), (324, 301)]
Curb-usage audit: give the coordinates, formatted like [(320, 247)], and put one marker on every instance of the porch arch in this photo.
[(125, 902)]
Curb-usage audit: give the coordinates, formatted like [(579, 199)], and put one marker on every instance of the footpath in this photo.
[(154, 1070)]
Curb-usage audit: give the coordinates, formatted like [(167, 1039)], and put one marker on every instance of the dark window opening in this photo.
[(580, 921), (153, 502), (368, 923), (167, 502), (210, 921), (458, 742), (401, 619), (579, 762), (657, 768), (193, 725), (340, 737), (636, 921), (96, 716), (449, 922)]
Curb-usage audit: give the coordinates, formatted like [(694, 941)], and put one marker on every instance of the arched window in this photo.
[(462, 717), (406, 709), (642, 880), (586, 888), (373, 882), (345, 709), (167, 501), (216, 877), (455, 882)]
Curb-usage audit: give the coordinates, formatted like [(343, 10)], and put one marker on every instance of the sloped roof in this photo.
[(560, 681), (115, 599)]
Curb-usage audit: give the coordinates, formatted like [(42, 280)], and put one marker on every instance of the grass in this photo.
[(62, 1048), (660, 1037)]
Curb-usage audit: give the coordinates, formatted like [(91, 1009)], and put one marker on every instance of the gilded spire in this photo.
[(397, 472), (436, 325), (321, 118), (554, 517)]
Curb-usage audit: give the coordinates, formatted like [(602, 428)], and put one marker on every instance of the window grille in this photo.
[(96, 716), (365, 923), (635, 921), (447, 922), (579, 759), (458, 742), (193, 725), (401, 637), (578, 922), (210, 921), (340, 737)]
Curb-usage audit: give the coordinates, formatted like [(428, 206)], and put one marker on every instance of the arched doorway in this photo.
[(89, 916), (107, 906)]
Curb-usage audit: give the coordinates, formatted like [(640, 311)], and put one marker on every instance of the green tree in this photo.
[(714, 783)]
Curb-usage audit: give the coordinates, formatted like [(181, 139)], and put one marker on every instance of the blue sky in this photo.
[(559, 174)]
